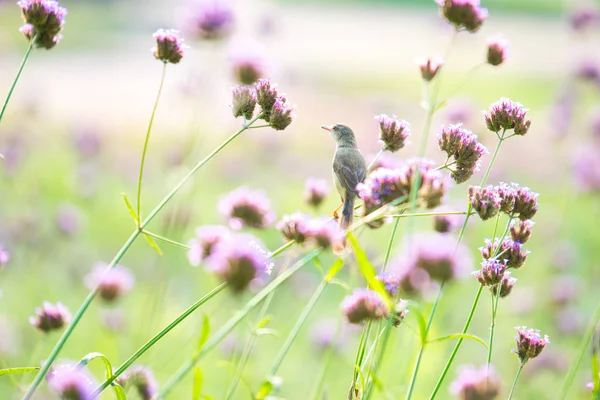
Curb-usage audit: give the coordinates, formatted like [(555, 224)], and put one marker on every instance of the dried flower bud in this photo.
[(430, 67), (512, 252), (529, 343), (506, 285), (112, 283), (476, 384), (507, 194), (463, 14), (393, 132), (266, 95), (485, 201), (315, 191), (50, 317), (244, 102), (169, 46), (44, 20), (244, 207), (526, 204), (462, 145), (520, 230), (497, 50), (142, 379), (491, 272), (506, 114), (364, 304), (281, 115)]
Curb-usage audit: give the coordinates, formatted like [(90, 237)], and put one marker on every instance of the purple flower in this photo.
[(586, 169), (461, 145), (491, 272), (281, 114), (485, 201), (497, 50), (112, 283), (476, 384), (50, 317), (244, 207), (266, 95), (169, 46), (512, 252), (321, 233), (506, 285), (364, 304), (430, 67), (244, 102), (445, 223), (583, 18), (463, 14), (529, 343), (315, 191), (436, 254), (71, 381), (239, 260), (206, 238), (588, 70), (67, 219), (411, 280), (142, 379), (517, 201), (4, 256), (392, 132), (506, 114), (293, 226), (520, 230), (391, 282), (211, 19), (44, 20), (459, 111), (248, 64)]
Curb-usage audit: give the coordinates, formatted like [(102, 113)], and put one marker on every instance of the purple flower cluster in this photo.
[(112, 283), (476, 383), (583, 18), (44, 19), (437, 255), (392, 132), (430, 67), (274, 108), (506, 285), (510, 251), (444, 223), (202, 246), (318, 232), (491, 272), (211, 19), (461, 145), (50, 317), (463, 14), (246, 208), (315, 191), (520, 230), (169, 46), (71, 381), (513, 200), (529, 343), (248, 65), (506, 114), (497, 50), (485, 201), (142, 379), (244, 102), (364, 304)]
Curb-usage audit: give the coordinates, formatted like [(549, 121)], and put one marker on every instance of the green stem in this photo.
[(141, 177), (86, 303), (360, 353), (413, 379), (438, 385), (14, 84), (375, 159), (157, 337), (514, 384), (427, 214), (167, 240), (493, 326), (388, 252), (234, 321)]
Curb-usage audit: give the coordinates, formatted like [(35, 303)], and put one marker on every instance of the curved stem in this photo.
[(438, 385), (514, 384), (14, 84), (141, 177)]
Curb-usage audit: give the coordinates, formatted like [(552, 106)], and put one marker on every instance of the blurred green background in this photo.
[(337, 61)]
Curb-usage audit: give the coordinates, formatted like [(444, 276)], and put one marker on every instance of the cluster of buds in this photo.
[(202, 246), (465, 15), (274, 108), (211, 19), (529, 343), (430, 67), (520, 230), (497, 50), (485, 201), (44, 19), (513, 200), (169, 46), (315, 191), (50, 317), (142, 379), (112, 283), (392, 132), (71, 381), (299, 228), (505, 286), (476, 383), (246, 208), (248, 66), (461, 145), (505, 115), (244, 102), (491, 272), (510, 251)]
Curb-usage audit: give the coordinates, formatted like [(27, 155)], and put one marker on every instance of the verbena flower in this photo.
[(112, 283), (211, 19), (430, 67), (315, 191), (266, 95), (506, 285), (244, 102), (201, 247), (293, 226), (322, 233), (246, 208), (445, 223), (461, 145), (392, 132), (463, 14), (169, 46), (142, 379), (506, 114), (71, 382), (588, 70), (529, 343), (512, 252), (520, 230), (583, 18), (437, 254), (586, 170), (364, 304), (44, 19), (50, 317), (491, 272), (517, 201), (497, 50), (391, 282), (476, 383), (485, 201), (247, 64), (281, 114)]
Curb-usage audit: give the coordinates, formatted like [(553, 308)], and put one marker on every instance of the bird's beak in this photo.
[(327, 127)]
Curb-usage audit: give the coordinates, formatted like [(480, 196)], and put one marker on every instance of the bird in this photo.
[(349, 169)]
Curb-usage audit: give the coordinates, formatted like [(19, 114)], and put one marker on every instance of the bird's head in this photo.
[(340, 133)]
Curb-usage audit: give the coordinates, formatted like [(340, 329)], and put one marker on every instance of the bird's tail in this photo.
[(347, 212)]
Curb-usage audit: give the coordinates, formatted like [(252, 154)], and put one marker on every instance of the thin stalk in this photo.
[(427, 214), (234, 321), (375, 159), (14, 84), (438, 385), (362, 345), (157, 337), (493, 326), (88, 300), (327, 359), (514, 384), (413, 379), (166, 240), (388, 252), (146, 141)]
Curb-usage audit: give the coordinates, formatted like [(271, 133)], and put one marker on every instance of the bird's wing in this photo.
[(349, 177)]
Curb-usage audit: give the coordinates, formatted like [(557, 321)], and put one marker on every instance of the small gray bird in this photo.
[(349, 169)]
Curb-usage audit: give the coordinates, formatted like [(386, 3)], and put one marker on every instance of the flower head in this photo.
[(142, 379), (71, 381), (391, 282), (44, 20), (520, 230), (476, 384), (462, 145), (112, 283), (506, 285), (393, 132), (463, 14), (529, 343), (50, 317), (512, 252), (485, 201), (445, 223), (436, 254), (202, 246), (364, 304), (506, 114), (244, 207), (293, 226), (281, 114), (266, 96), (321, 233), (211, 19), (248, 65), (586, 169), (491, 272), (517, 201), (430, 67), (583, 18), (244, 102), (497, 50), (315, 191), (169, 46)]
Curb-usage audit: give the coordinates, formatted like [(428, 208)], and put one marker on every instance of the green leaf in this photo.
[(263, 322), (92, 356), (267, 331), (595, 372), (264, 390), (203, 333), (335, 268), (459, 336), (368, 272), (198, 381), (422, 323), (153, 244), (119, 392), (131, 210), (17, 370)]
